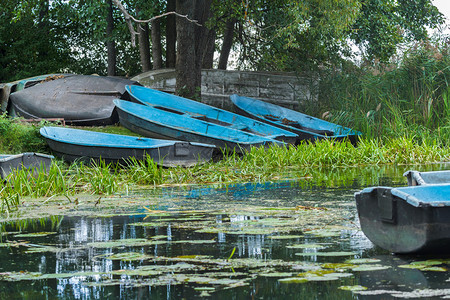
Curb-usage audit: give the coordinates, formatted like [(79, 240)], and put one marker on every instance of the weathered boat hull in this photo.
[(201, 111), (81, 145), (152, 122), (78, 99), (10, 87), (424, 178), (9, 163), (406, 220), (306, 127)]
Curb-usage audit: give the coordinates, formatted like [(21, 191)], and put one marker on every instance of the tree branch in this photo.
[(129, 19)]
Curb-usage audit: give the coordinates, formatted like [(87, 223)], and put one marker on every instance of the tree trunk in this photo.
[(43, 14), (156, 45), (227, 44), (144, 46), (171, 35), (110, 43), (186, 72), (208, 55), (202, 14)]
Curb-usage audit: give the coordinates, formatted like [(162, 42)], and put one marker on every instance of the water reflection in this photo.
[(189, 254)]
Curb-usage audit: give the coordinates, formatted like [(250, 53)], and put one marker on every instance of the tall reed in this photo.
[(407, 97)]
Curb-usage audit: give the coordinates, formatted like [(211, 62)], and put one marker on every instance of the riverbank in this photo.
[(324, 162)]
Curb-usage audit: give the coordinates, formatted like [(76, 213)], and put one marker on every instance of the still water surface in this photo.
[(277, 240)]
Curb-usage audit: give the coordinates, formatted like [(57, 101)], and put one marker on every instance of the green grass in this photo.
[(17, 136), (258, 165)]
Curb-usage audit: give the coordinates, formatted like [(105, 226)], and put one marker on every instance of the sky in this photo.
[(444, 7)]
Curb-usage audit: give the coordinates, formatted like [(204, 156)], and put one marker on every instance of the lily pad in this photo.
[(128, 256), (427, 265), (306, 246), (332, 253), (341, 266), (430, 262), (195, 242), (43, 249), (370, 267), (352, 288), (362, 260), (34, 234), (285, 237), (325, 233), (293, 280), (276, 274), (125, 243), (322, 278), (159, 237), (254, 231), (210, 230)]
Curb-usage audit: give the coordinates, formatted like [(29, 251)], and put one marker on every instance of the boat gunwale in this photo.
[(262, 140), (281, 131), (162, 142), (351, 132)]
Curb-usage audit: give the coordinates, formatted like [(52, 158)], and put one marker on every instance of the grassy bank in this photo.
[(303, 161)]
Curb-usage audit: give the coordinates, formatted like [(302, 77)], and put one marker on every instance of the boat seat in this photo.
[(239, 126)]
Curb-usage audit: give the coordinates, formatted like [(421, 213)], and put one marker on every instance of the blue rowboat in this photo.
[(412, 219), (306, 127), (153, 121), (28, 160), (201, 111), (75, 144)]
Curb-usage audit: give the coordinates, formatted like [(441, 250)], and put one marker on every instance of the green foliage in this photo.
[(292, 35), (324, 161), (288, 34), (385, 24), (99, 178), (41, 37), (407, 98), (144, 172), (17, 137), (31, 42)]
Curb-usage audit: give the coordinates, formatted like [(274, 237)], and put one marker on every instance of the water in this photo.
[(281, 240)]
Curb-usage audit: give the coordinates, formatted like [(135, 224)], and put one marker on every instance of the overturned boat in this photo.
[(82, 145), (306, 127), (10, 87), (76, 99)]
